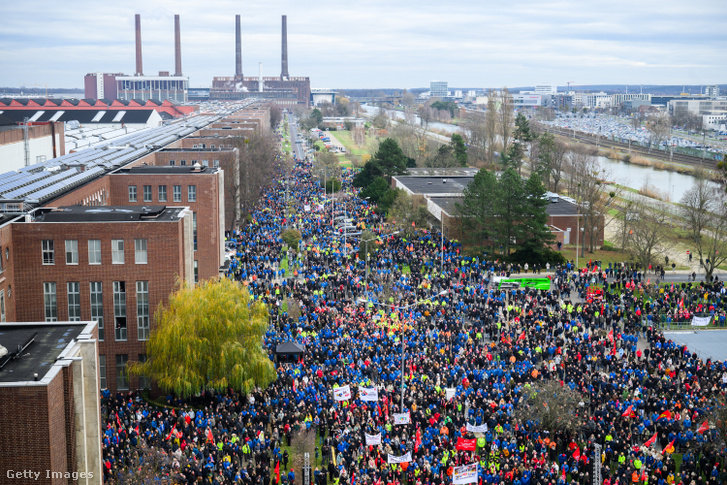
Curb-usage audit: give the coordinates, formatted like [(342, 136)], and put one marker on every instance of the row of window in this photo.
[(162, 193), (94, 251), (73, 292), (122, 377), (205, 163)]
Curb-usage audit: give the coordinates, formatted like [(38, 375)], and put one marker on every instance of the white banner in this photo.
[(450, 392), (401, 418), (306, 208), (465, 474), (700, 321), (368, 393), (342, 393), (400, 459), (477, 429), (373, 439)]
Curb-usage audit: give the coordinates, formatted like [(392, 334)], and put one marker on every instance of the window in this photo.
[(51, 304), (122, 379), (74, 301), (97, 306), (94, 251), (142, 309), (71, 251), (194, 229), (172, 163), (102, 371), (144, 381), (49, 256), (140, 251), (147, 193), (183, 162), (162, 193), (117, 251), (215, 163), (132, 193), (205, 163), (196, 272), (192, 193), (177, 193), (2, 306), (120, 310)]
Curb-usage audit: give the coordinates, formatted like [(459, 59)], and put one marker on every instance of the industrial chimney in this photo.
[(177, 48), (284, 71), (238, 48), (139, 69)]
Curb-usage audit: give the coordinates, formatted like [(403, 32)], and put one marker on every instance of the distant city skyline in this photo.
[(375, 43)]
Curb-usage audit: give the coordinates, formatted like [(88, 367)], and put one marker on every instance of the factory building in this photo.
[(284, 90), (142, 87)]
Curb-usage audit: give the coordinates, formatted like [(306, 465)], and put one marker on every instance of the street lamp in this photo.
[(404, 307)]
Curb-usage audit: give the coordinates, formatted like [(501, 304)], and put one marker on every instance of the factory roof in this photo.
[(433, 186), (27, 349), (83, 116), (132, 213)]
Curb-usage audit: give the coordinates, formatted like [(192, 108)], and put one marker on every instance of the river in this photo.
[(668, 184)]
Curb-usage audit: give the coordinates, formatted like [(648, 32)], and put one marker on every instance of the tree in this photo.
[(254, 155), (389, 158), (490, 128), (705, 218), (509, 210), (327, 163), (534, 234), (443, 158), (648, 225), (150, 465), (513, 158), (208, 337), (276, 115), (407, 215), (474, 129), (479, 208), (316, 116), (659, 126), (505, 117), (459, 148), (554, 407), (380, 120), (546, 155)]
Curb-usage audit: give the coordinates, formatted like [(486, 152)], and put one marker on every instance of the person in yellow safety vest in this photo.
[(498, 429), (637, 464)]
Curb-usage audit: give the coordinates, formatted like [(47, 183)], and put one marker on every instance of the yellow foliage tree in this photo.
[(208, 337)]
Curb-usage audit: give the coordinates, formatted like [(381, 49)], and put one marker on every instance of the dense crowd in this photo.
[(470, 353)]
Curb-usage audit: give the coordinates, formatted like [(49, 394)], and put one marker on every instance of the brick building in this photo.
[(110, 264), (50, 412)]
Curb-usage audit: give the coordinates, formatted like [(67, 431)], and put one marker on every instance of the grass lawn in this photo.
[(346, 140), (615, 256)]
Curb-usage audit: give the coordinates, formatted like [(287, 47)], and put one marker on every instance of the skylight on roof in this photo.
[(98, 116)]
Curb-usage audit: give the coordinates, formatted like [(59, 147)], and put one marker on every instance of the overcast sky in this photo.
[(374, 43)]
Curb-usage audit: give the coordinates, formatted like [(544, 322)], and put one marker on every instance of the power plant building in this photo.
[(140, 87), (283, 90)]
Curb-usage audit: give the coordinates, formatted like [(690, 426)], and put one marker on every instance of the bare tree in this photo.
[(490, 128), (659, 126), (648, 225), (704, 210), (555, 407), (255, 168), (475, 135), (151, 465), (505, 117), (406, 214)]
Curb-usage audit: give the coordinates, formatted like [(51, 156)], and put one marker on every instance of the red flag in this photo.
[(610, 337), (418, 441), (670, 447), (651, 441), (466, 445), (277, 472), (666, 414), (294, 385), (210, 436), (522, 336), (704, 427), (681, 303), (629, 413), (577, 453), (171, 432)]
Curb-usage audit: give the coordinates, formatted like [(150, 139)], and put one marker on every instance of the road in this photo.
[(297, 148)]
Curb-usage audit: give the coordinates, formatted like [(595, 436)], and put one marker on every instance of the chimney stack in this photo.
[(139, 68), (238, 48), (284, 71), (177, 48), (260, 84)]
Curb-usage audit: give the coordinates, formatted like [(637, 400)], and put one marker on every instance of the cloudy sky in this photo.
[(374, 43)]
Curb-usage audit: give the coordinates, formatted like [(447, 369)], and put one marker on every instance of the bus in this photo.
[(538, 283)]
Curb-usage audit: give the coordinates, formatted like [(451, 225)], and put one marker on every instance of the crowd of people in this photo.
[(449, 354)]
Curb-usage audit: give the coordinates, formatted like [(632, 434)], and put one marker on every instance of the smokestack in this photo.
[(139, 68), (260, 81), (238, 48), (177, 48), (284, 72)]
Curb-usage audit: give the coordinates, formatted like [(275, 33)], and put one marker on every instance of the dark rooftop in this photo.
[(435, 185), (559, 208), (167, 170), (448, 204), (131, 213), (40, 355)]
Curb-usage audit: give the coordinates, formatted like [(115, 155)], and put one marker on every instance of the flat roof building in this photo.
[(50, 412)]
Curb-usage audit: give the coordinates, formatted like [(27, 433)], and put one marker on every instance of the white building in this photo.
[(438, 89), (546, 89), (712, 91)]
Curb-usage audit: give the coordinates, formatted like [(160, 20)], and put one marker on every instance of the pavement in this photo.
[(707, 344)]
